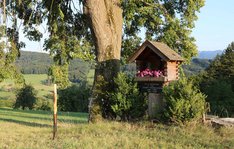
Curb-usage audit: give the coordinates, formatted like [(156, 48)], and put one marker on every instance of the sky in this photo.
[(214, 29)]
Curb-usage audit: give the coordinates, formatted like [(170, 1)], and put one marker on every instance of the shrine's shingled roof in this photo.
[(161, 49)]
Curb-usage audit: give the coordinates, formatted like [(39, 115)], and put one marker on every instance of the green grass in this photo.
[(33, 130), (38, 82), (8, 88)]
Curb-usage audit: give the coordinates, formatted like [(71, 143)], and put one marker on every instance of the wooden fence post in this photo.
[(55, 112)]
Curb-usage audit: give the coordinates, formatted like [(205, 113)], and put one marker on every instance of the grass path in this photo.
[(33, 130)]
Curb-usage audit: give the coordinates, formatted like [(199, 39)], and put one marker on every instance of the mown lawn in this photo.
[(33, 129)]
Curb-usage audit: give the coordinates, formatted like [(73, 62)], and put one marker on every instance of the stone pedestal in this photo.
[(155, 104)]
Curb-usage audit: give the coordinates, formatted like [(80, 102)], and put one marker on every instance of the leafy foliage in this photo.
[(223, 65), (9, 43), (26, 97), (74, 98), (59, 75), (9, 51), (126, 100), (70, 35), (167, 21), (44, 104), (183, 102), (64, 22), (129, 45)]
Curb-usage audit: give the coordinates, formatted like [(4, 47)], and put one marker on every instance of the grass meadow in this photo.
[(8, 88), (33, 130), (38, 81)]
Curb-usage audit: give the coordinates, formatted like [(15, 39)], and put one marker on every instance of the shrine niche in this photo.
[(156, 65)]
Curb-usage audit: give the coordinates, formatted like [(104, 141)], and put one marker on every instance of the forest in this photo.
[(39, 63)]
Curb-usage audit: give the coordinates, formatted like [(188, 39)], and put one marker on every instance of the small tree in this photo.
[(74, 98), (184, 102), (126, 100), (26, 97)]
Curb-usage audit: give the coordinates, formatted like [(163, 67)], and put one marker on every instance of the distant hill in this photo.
[(209, 54), (39, 63), (197, 65), (33, 62), (201, 62)]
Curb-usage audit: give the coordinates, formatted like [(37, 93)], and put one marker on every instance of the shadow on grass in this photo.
[(25, 111), (32, 124), (67, 114), (44, 116)]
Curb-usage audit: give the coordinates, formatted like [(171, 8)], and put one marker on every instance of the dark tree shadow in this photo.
[(34, 115), (32, 124)]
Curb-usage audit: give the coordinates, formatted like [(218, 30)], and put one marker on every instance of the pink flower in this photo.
[(149, 73)]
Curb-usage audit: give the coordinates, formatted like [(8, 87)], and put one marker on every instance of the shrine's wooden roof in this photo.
[(159, 48)]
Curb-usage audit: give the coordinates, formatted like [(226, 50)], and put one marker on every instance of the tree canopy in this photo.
[(223, 66), (9, 44), (169, 21), (162, 20)]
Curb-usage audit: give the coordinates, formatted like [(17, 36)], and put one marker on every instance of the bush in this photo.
[(126, 100), (26, 97), (44, 104), (74, 98), (184, 102)]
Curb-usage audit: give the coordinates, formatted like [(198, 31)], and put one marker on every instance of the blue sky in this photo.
[(214, 28)]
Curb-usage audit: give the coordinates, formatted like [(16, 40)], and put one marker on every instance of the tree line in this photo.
[(40, 63), (217, 82)]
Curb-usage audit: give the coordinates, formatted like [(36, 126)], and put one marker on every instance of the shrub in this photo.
[(183, 101), (126, 100), (26, 97), (44, 104), (74, 98)]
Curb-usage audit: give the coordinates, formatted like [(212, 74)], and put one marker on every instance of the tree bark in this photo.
[(105, 21)]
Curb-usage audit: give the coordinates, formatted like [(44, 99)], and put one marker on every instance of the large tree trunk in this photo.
[(105, 20)]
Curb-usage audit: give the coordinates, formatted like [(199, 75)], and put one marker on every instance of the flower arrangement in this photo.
[(149, 73)]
